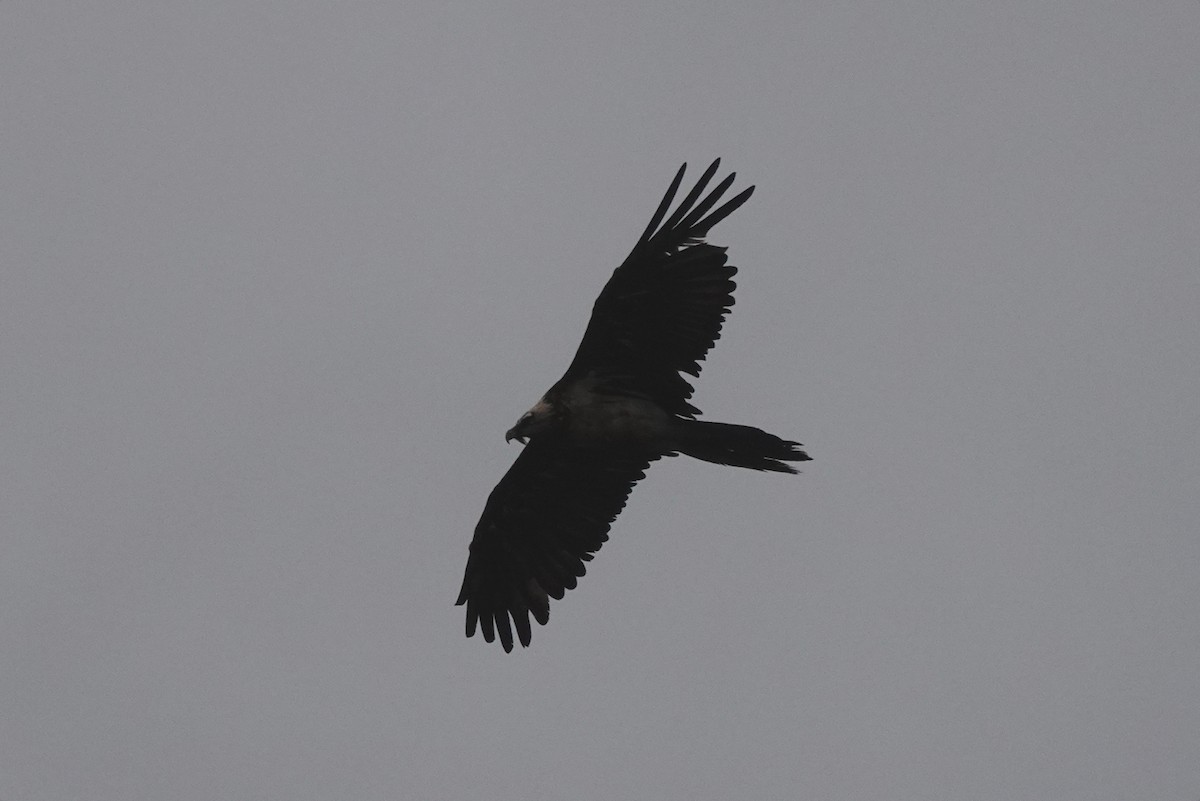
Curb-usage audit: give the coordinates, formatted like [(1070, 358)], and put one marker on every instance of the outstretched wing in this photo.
[(545, 518), (663, 308)]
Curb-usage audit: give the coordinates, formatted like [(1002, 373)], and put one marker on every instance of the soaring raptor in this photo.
[(621, 405)]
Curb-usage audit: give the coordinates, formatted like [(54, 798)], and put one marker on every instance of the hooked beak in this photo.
[(521, 430)]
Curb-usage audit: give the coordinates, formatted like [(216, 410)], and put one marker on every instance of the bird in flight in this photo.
[(621, 405)]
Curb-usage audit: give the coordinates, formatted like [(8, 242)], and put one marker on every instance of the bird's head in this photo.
[(534, 421)]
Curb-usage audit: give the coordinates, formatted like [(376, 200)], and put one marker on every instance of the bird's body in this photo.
[(603, 421), (621, 405)]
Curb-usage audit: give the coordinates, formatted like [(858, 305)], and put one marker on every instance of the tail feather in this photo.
[(740, 446)]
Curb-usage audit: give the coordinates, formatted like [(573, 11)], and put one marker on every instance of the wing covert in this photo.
[(549, 514), (663, 308)]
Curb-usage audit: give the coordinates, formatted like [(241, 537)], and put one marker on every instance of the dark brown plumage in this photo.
[(621, 404)]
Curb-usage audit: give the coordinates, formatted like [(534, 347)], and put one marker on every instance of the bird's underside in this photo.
[(621, 405)]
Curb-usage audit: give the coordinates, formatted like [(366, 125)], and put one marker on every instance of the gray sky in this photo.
[(275, 278)]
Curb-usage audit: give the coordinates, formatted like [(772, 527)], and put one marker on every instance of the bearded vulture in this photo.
[(621, 405)]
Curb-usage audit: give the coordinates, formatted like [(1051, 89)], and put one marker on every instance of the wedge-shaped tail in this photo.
[(740, 446)]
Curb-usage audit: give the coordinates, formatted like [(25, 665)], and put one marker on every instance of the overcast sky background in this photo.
[(276, 277)]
